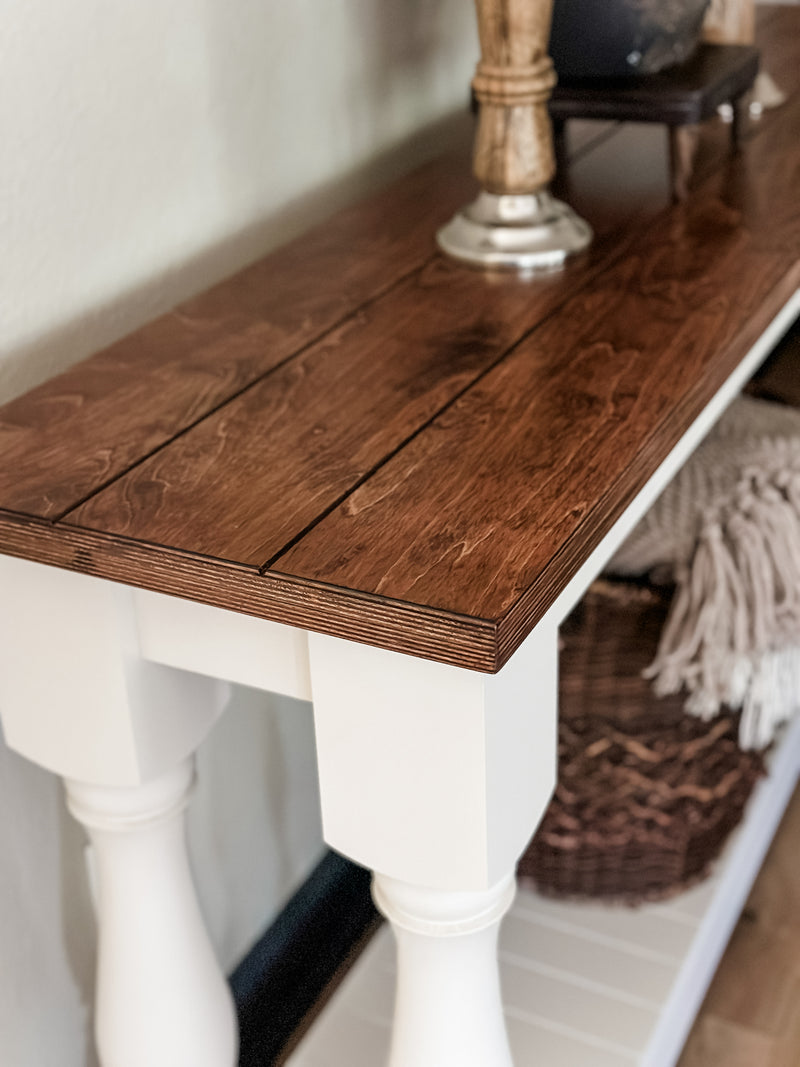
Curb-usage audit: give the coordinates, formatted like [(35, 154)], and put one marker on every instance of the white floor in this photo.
[(583, 985)]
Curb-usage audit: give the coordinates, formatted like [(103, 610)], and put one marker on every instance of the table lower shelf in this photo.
[(584, 985)]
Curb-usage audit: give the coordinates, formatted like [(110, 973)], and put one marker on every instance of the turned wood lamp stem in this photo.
[(515, 223), (513, 81)]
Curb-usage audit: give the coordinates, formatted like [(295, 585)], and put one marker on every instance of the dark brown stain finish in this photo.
[(358, 437), (63, 441)]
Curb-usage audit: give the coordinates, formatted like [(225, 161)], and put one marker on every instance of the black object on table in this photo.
[(681, 97)]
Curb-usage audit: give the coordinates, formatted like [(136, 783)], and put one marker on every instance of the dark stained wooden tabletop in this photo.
[(357, 436)]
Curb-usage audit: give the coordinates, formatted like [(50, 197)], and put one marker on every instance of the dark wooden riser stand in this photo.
[(680, 98)]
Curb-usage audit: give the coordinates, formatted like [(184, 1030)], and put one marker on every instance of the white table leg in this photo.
[(435, 778), (161, 999), (77, 698), (448, 1007)]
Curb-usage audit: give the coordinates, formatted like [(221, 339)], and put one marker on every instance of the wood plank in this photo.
[(786, 1052), (692, 905), (491, 509), (347, 465), (270, 463), (250, 478), (650, 933), (719, 1042), (775, 898), (73, 434), (535, 1042), (311, 432), (603, 1016), (570, 953), (772, 962), (751, 1006), (415, 630)]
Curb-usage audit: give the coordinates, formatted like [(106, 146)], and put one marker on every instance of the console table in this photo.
[(362, 475)]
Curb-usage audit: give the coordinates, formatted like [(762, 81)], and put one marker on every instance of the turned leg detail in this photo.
[(435, 777), (161, 998), (448, 1010), (119, 731)]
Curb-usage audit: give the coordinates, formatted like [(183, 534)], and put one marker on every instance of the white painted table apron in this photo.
[(432, 776)]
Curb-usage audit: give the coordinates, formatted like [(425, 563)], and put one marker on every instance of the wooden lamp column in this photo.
[(515, 223)]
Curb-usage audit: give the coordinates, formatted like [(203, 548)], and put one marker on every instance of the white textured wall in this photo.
[(147, 149)]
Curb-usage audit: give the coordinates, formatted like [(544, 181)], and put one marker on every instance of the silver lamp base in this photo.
[(534, 232)]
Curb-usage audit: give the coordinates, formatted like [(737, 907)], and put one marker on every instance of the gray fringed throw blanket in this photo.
[(729, 527)]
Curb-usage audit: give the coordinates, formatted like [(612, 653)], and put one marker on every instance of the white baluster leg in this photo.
[(77, 698), (435, 778), (161, 999), (448, 994)]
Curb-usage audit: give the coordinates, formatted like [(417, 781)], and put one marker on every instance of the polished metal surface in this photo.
[(529, 233)]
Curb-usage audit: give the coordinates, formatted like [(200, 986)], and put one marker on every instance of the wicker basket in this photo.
[(647, 795)]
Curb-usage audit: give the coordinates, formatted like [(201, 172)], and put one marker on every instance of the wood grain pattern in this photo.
[(310, 433), (245, 481), (405, 627), (391, 448), (64, 440), (471, 516)]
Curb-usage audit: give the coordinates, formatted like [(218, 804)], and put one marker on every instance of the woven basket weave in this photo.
[(647, 795)]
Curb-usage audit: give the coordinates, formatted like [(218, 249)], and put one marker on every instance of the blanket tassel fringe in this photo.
[(733, 632)]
